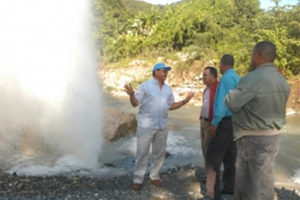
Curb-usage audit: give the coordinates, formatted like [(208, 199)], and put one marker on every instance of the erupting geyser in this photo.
[(50, 111)]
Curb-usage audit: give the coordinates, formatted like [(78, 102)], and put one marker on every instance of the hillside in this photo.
[(203, 29)]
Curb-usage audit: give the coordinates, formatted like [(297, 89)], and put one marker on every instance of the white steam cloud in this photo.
[(50, 95)]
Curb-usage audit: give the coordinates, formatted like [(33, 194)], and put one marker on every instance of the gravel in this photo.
[(182, 183)]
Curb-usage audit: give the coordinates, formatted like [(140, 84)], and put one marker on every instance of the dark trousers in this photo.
[(222, 149)]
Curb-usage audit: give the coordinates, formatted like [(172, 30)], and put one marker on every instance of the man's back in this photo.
[(268, 93)]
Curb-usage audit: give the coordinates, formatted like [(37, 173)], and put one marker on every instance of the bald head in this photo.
[(263, 52), (266, 49), (227, 59), (226, 62)]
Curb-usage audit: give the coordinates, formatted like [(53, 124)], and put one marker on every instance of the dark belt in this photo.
[(206, 119), (226, 118)]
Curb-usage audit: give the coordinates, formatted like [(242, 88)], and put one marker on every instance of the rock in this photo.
[(20, 186), (160, 59), (185, 79), (118, 124), (168, 155), (108, 165), (169, 61), (178, 183)]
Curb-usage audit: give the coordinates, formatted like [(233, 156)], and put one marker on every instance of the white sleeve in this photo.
[(139, 95), (171, 98)]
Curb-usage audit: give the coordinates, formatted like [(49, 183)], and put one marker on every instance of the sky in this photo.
[(264, 3)]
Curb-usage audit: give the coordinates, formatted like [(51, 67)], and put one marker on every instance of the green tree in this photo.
[(204, 28)]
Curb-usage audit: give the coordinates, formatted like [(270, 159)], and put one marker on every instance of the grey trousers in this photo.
[(254, 178), (205, 138), (146, 137)]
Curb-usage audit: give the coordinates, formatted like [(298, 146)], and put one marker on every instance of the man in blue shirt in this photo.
[(222, 148)]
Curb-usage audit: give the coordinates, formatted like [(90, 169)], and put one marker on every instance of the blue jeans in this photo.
[(254, 178)]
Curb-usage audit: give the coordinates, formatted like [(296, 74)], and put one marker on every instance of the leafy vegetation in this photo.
[(205, 29)]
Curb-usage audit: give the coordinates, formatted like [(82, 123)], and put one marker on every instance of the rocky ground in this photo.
[(181, 183), (181, 81)]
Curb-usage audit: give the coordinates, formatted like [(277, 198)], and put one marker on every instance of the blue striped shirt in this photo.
[(228, 82)]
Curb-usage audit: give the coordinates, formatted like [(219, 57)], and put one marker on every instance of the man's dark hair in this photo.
[(266, 50), (227, 59), (212, 70)]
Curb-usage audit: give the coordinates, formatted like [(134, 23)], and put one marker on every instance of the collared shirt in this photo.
[(229, 81), (205, 105), (154, 104)]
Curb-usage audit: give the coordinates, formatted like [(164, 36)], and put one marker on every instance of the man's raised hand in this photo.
[(128, 89)]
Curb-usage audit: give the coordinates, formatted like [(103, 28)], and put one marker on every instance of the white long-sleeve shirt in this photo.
[(154, 104)]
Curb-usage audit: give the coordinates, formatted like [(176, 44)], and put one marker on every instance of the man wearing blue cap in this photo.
[(155, 98)]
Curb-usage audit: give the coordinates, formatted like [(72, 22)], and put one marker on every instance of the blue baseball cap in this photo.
[(161, 66)]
